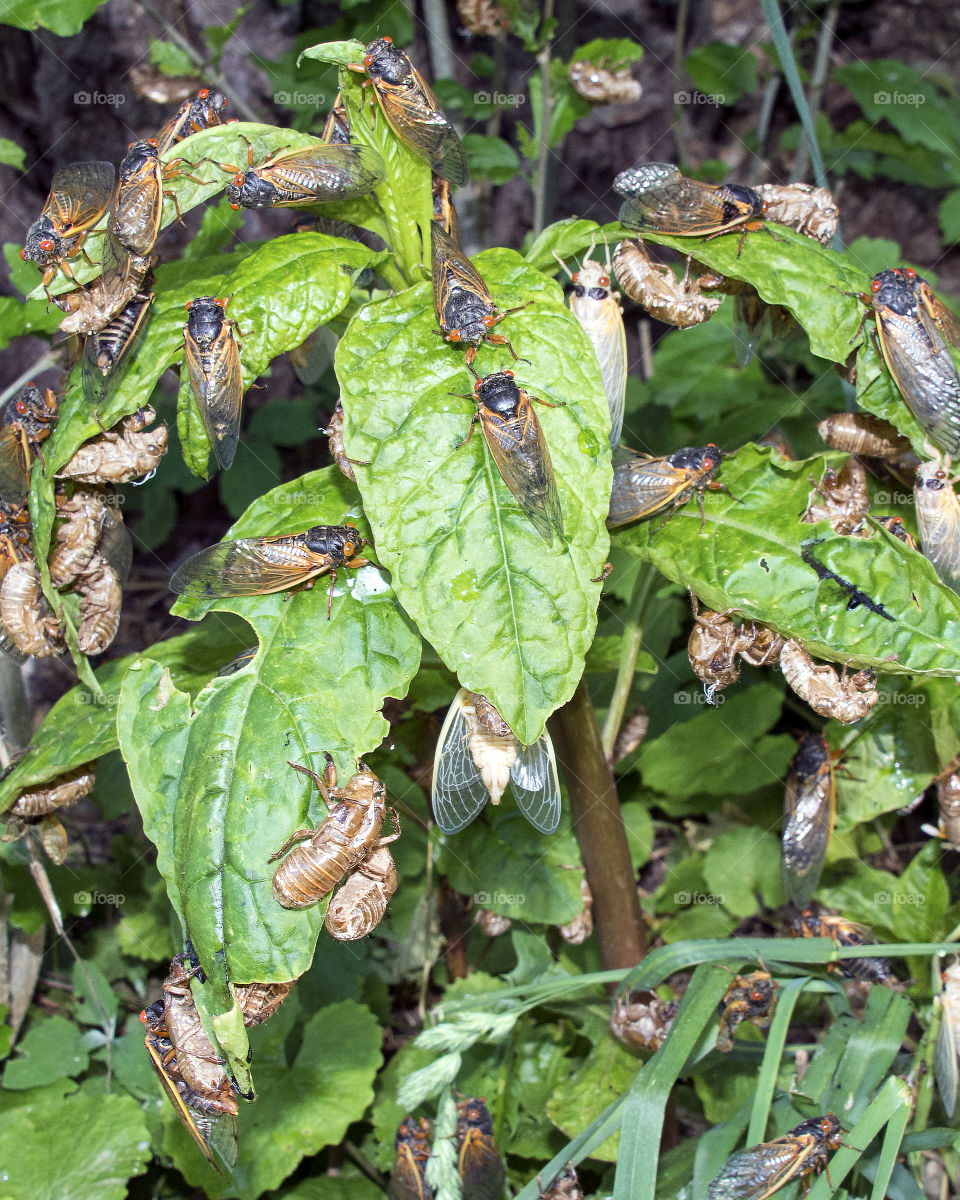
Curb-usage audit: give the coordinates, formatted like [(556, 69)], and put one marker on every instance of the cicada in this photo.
[(938, 521), (16, 534), (131, 450), (259, 1001), (807, 209), (596, 305), (658, 197), (750, 998), (601, 85), (259, 566), (358, 907), (948, 801), (844, 933), (76, 537), (304, 175), (200, 112), (580, 928), (135, 222), (412, 109), (79, 196), (64, 791), (336, 128), (408, 1179), (809, 807), (197, 1061), (107, 351), (642, 1024), (655, 287), (482, 1173), (212, 355), (762, 1170), (348, 834), (444, 211), (465, 309), (841, 497), (478, 755), (917, 356), (123, 276), (644, 486), (24, 614), (896, 526), (491, 924), (863, 433), (26, 420), (947, 1048), (515, 439), (845, 698), (715, 642)]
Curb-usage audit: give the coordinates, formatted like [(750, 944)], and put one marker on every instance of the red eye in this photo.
[(454, 335), (941, 475), (910, 273), (604, 281), (388, 40), (875, 285), (152, 142), (21, 406), (188, 305), (220, 303), (367, 60), (203, 93), (23, 255), (143, 1015), (489, 322), (756, 997), (575, 277), (238, 180), (46, 244), (509, 374)]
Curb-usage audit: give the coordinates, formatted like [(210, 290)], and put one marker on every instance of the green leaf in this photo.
[(18, 318), (340, 53), (722, 71), (890, 90), (509, 868), (82, 725), (568, 237), (42, 1163), (462, 553), (611, 53), (491, 157), (748, 558), (950, 216), (606, 1073), (741, 865), (234, 809), (96, 1000), (51, 1049), (170, 58), (12, 155), (62, 17)]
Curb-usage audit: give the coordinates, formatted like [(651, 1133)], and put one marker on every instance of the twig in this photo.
[(599, 828), (43, 363), (764, 118), (629, 649), (679, 42), (817, 83), (541, 195), (367, 1167)]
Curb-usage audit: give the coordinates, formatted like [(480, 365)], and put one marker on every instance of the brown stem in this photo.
[(600, 831), (455, 924)]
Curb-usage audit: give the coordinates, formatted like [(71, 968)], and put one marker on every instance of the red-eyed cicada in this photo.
[(762, 1170), (482, 1173), (465, 309), (26, 420), (750, 998), (107, 350), (199, 112), (809, 806), (844, 933), (79, 196), (938, 521), (212, 355), (304, 175), (408, 1179), (644, 486)]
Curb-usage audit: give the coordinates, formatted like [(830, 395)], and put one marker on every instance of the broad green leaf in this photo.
[(609, 52), (18, 318), (888, 90), (748, 558), (315, 686), (506, 866), (741, 865), (606, 1073), (62, 17), (568, 237), (340, 53), (44, 1160), (96, 999), (170, 58), (51, 1049), (491, 158), (512, 616), (722, 71), (82, 725)]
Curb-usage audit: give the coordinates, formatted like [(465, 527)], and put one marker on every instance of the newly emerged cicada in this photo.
[(79, 196), (843, 697), (515, 439), (465, 309), (809, 807), (478, 755), (348, 834), (946, 1054), (201, 111), (762, 1170), (841, 497), (358, 907), (644, 486), (655, 287), (596, 305), (304, 175), (844, 933), (938, 521), (131, 450), (412, 109), (212, 354), (660, 198), (482, 1173), (412, 1146), (107, 350), (751, 998), (809, 210), (26, 420), (259, 566)]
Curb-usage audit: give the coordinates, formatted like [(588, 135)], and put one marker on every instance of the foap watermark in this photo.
[(716, 99), (484, 899), (91, 899), (300, 99), (684, 898), (104, 700), (910, 99), (893, 497), (907, 899), (109, 99), (715, 699), (500, 99), (904, 699)]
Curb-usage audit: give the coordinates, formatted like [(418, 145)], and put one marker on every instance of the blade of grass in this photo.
[(773, 1051), (896, 1127), (577, 1149), (892, 1097)]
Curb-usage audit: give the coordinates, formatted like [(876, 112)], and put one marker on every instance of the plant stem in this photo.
[(629, 649), (679, 41), (817, 81), (541, 198), (599, 828)]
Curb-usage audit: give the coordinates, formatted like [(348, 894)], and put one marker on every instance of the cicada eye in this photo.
[(188, 305), (23, 255), (604, 281), (21, 406), (489, 322), (349, 549), (826, 1126), (143, 1016), (509, 374), (238, 180), (388, 40), (367, 60), (203, 93), (756, 996), (875, 285), (152, 142), (910, 273), (46, 244), (454, 335), (575, 278)]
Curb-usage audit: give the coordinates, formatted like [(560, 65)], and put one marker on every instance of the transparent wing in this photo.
[(248, 567), (520, 451), (923, 370), (945, 1061), (458, 793), (536, 785)]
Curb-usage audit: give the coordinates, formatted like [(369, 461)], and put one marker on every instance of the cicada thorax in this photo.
[(643, 486), (841, 497), (481, 1168), (131, 450), (213, 363), (750, 998), (202, 111), (807, 209), (64, 791), (347, 835), (79, 196), (412, 109), (843, 697), (845, 933), (259, 1001), (358, 907), (763, 1169), (195, 1057), (642, 1024), (412, 1150), (25, 616), (938, 521), (654, 287)]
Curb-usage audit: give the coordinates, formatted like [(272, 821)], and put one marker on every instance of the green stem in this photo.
[(598, 825), (629, 649), (541, 198), (817, 81), (679, 41), (781, 42)]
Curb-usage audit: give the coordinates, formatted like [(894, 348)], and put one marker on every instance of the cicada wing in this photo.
[(751, 323), (935, 310), (247, 567), (757, 1173), (924, 371), (452, 268), (809, 811), (418, 120), (642, 486), (536, 784), (336, 172), (945, 1065), (407, 1180), (671, 203), (458, 793), (15, 463), (80, 194), (520, 451), (602, 322), (482, 1172), (217, 381), (136, 221)]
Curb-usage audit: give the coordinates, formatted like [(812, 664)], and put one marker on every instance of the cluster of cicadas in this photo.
[(479, 1165)]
